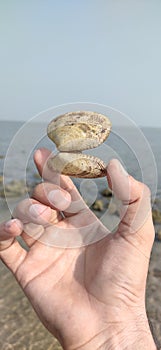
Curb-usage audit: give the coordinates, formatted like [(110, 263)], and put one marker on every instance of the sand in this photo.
[(20, 328)]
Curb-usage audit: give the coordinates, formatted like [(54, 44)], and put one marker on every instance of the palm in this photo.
[(86, 280), (69, 286)]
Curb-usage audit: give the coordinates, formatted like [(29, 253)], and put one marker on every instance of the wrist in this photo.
[(131, 337), (131, 334), (124, 336)]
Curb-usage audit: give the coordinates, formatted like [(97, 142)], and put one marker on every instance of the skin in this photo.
[(90, 297)]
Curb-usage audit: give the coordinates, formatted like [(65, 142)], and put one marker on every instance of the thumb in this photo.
[(135, 212)]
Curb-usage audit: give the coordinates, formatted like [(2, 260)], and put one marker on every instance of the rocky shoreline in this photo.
[(19, 323), (104, 203)]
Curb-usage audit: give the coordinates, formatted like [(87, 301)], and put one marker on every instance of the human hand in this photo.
[(93, 296)]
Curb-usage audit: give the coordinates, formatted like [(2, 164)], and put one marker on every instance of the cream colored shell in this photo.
[(77, 131), (77, 165), (73, 132)]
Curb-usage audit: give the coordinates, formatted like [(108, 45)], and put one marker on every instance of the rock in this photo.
[(1, 179), (98, 205), (156, 272), (37, 176), (1, 156), (158, 235), (14, 189), (157, 204), (106, 192), (156, 214)]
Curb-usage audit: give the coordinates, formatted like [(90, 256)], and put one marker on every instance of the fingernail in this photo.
[(38, 154), (58, 198), (122, 169), (37, 209), (12, 222)]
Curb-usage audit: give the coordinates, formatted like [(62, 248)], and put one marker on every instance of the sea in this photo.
[(139, 150)]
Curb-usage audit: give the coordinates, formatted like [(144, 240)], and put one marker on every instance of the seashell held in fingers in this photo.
[(73, 132), (77, 165), (77, 131)]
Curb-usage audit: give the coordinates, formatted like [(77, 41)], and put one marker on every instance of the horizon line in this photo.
[(119, 125)]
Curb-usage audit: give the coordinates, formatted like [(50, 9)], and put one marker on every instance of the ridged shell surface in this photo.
[(77, 131), (77, 165)]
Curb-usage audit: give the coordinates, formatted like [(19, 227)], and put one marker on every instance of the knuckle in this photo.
[(37, 190), (145, 191)]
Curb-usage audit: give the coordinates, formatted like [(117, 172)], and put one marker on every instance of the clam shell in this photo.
[(77, 131), (77, 165)]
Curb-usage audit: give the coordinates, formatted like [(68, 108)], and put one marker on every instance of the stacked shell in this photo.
[(72, 133)]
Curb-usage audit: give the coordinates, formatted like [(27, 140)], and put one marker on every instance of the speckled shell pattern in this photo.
[(72, 133), (77, 131), (77, 165)]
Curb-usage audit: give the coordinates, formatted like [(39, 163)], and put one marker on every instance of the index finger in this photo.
[(77, 204)]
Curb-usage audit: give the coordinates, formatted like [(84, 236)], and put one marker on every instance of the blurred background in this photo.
[(105, 52), (55, 52)]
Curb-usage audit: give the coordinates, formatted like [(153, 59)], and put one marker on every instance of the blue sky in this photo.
[(56, 52)]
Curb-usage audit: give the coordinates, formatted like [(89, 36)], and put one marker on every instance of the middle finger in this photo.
[(41, 157)]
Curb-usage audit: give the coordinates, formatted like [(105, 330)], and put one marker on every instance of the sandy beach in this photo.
[(20, 328)]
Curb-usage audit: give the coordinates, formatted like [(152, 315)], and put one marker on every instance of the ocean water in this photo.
[(138, 150)]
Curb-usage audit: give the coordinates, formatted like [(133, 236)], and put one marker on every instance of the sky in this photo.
[(99, 51)]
